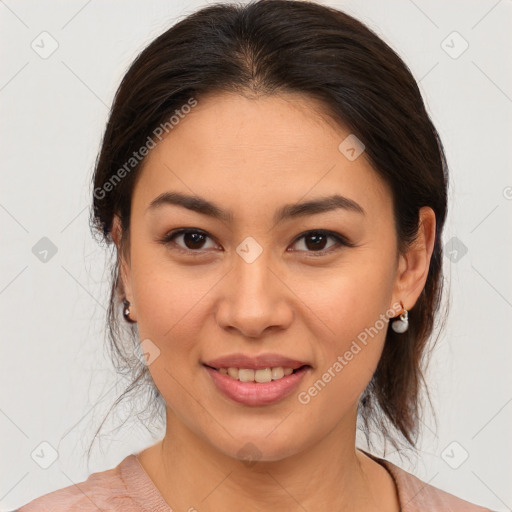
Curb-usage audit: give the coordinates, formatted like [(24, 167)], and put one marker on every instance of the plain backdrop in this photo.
[(56, 379)]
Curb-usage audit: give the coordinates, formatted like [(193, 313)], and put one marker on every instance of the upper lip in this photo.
[(255, 362)]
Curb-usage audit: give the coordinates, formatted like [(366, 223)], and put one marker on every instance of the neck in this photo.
[(192, 474)]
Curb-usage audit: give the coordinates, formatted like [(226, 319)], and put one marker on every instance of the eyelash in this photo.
[(340, 239)]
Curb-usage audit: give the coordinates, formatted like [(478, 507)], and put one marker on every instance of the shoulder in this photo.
[(415, 495), (105, 490)]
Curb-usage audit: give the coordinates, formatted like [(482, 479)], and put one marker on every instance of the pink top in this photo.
[(128, 488)]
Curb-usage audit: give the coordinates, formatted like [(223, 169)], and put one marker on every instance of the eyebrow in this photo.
[(289, 211)]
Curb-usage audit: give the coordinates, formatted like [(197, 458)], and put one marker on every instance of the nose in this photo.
[(254, 299)]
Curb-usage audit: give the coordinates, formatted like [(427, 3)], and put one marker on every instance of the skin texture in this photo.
[(252, 155)]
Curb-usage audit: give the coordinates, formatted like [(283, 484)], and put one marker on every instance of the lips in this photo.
[(258, 362), (255, 393)]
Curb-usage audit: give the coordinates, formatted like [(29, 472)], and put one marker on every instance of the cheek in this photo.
[(170, 313), (350, 317), (347, 360), (167, 297), (169, 304)]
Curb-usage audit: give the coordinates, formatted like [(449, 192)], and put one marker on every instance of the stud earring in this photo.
[(126, 312), (402, 323)]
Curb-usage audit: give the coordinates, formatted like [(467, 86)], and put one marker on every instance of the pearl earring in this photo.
[(126, 311), (402, 323)]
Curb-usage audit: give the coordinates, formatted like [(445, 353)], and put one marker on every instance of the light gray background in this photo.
[(57, 382)]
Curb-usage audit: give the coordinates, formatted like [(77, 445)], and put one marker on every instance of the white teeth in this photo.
[(233, 372), (262, 375), (277, 373), (246, 375)]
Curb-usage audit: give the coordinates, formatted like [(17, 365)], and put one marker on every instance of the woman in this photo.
[(276, 193)]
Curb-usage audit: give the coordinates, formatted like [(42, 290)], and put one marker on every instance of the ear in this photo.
[(414, 265), (123, 261)]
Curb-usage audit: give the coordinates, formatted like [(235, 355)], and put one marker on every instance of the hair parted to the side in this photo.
[(272, 47)]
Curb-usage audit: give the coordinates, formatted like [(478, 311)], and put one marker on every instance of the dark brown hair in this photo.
[(284, 46)]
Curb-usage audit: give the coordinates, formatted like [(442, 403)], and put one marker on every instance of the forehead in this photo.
[(258, 151)]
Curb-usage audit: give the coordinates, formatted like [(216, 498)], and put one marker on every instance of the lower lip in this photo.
[(257, 393)]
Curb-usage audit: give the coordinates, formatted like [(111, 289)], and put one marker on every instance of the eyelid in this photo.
[(340, 239), (169, 238)]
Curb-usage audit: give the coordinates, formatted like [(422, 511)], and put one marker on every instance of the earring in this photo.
[(402, 323), (126, 311)]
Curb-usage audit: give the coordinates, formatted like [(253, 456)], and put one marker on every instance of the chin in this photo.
[(253, 449)]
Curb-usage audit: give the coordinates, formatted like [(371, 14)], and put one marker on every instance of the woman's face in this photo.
[(255, 282)]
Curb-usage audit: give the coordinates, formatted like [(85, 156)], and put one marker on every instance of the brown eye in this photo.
[(316, 241), (193, 240), (187, 239)]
